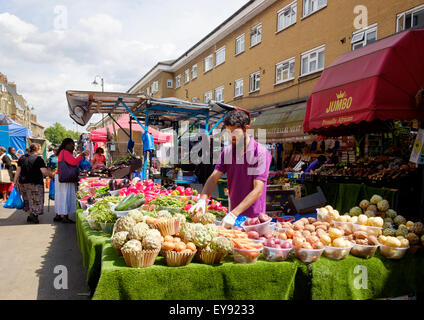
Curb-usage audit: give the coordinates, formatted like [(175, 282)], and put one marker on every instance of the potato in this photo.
[(168, 239), (318, 245), (176, 239), (372, 241), (187, 251), (393, 242), (378, 222), (180, 246), (354, 219), (350, 237), (360, 235), (362, 219), (304, 220), (320, 232), (306, 233), (335, 233), (313, 239), (310, 228), (326, 240), (168, 245), (297, 234), (312, 220), (404, 243), (282, 236), (289, 233), (382, 239), (307, 245), (363, 242), (298, 226), (342, 243)]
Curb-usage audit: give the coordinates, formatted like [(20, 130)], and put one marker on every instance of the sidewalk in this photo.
[(30, 253)]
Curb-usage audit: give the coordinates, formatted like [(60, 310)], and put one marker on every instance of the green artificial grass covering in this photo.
[(110, 279), (90, 243), (346, 280), (196, 281)]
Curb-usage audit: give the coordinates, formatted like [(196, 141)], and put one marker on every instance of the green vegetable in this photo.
[(103, 215), (137, 203), (166, 201), (124, 202), (134, 201)]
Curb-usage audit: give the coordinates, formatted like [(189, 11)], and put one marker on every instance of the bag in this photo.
[(51, 190), (14, 201), (85, 165), (67, 173), (5, 176)]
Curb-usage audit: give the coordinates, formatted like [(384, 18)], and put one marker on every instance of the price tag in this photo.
[(417, 155)]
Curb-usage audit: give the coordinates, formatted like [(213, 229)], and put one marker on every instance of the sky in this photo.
[(48, 47)]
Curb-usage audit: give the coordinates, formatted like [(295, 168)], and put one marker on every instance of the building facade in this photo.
[(270, 53), (14, 106)]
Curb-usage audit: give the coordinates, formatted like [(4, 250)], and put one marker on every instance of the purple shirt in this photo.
[(242, 170)]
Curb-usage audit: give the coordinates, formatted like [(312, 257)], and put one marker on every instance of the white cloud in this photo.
[(120, 43)]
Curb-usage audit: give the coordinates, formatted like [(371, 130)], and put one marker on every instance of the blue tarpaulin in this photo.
[(14, 135)]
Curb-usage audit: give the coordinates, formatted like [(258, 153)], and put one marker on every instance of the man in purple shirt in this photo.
[(246, 163)]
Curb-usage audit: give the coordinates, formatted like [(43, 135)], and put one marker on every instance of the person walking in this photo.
[(52, 161), (29, 175), (6, 187), (65, 192)]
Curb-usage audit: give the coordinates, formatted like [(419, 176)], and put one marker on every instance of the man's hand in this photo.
[(229, 220), (199, 206)]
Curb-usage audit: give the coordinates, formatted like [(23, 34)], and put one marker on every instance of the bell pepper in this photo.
[(180, 189), (188, 192)]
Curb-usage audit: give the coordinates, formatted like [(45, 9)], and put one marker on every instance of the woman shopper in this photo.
[(65, 193), (6, 188), (99, 160), (29, 174)]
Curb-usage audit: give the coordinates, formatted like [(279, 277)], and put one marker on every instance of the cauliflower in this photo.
[(139, 231), (118, 240), (124, 224), (136, 215)]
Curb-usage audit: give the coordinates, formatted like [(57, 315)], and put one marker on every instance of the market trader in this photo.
[(246, 163)]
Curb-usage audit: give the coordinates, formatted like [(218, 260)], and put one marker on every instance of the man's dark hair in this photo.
[(237, 118), (322, 159)]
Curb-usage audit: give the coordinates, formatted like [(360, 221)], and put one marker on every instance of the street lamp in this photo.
[(103, 90)]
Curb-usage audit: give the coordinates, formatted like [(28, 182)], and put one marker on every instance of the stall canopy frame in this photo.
[(83, 104)]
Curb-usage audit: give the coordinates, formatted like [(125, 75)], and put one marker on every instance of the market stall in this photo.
[(14, 135), (314, 258), (373, 94)]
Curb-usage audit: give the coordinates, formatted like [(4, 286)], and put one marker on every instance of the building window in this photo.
[(310, 6), (312, 61), (194, 72), (364, 37), (169, 84), (219, 94), (207, 97), (256, 35), (287, 16), (178, 81), (240, 44), (187, 76), (284, 71), (194, 100), (208, 63), (148, 91), (413, 18), (238, 88), (155, 86), (255, 81), (220, 56)]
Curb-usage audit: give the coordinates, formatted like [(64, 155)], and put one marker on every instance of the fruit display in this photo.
[(393, 247), (364, 245), (261, 224)]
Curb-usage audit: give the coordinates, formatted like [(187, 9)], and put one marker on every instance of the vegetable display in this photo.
[(133, 201)]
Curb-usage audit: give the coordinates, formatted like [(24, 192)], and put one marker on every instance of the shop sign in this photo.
[(417, 155), (341, 103)]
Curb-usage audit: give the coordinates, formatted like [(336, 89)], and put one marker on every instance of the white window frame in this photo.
[(240, 38), (289, 63), (194, 74), (148, 90), (239, 87), (316, 50), (254, 80), (178, 81), (219, 91), (219, 52), (404, 14), (209, 95), (187, 76), (281, 14), (360, 36), (211, 63), (256, 35), (169, 83), (155, 86), (318, 4)]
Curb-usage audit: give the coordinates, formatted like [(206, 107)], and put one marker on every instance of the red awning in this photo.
[(376, 83), (100, 135)]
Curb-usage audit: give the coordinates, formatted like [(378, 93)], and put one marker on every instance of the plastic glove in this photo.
[(229, 220), (199, 206)]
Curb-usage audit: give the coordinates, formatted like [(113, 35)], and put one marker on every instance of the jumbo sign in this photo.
[(342, 103)]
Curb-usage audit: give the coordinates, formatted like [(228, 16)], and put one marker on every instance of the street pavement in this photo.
[(30, 253)]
